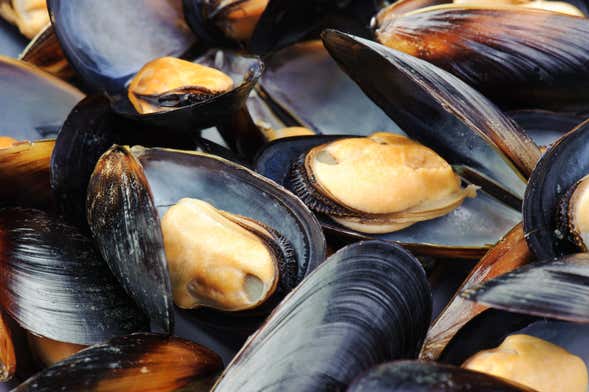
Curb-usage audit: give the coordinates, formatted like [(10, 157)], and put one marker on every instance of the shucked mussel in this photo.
[(200, 229)]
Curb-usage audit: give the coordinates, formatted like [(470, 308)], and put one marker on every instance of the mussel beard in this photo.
[(573, 214), (168, 83), (30, 16), (237, 19), (418, 184), (224, 261)]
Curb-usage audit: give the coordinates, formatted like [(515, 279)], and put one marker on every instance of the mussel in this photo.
[(344, 179), (132, 196), (520, 68), (132, 363), (368, 303)]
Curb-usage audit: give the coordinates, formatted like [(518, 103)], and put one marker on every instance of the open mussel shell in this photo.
[(55, 285), (458, 234), (416, 376), (106, 64), (133, 363), (308, 88), (131, 189), (438, 109), (245, 72), (565, 163), (370, 302), (88, 132), (24, 174), (34, 103), (531, 67), (557, 289), (546, 127)]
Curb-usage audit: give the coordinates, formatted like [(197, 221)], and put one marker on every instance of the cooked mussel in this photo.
[(30, 16), (368, 303), (240, 272), (133, 363), (573, 213), (236, 19), (529, 67), (414, 376), (533, 362), (167, 83), (345, 178), (138, 217)]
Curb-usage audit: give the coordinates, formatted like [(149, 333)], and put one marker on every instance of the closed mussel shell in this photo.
[(529, 67), (132, 363), (55, 285), (415, 376), (131, 189), (368, 303)]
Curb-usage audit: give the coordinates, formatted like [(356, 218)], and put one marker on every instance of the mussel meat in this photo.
[(573, 214), (240, 271), (167, 83), (533, 362), (345, 179), (237, 19)]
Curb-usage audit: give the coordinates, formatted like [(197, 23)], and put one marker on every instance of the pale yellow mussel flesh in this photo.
[(576, 214), (533, 362), (271, 134), (218, 259), (379, 184), (30, 16), (168, 83)]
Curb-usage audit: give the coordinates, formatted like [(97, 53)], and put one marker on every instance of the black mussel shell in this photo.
[(88, 132), (545, 127), (306, 86), (11, 41), (370, 302), (45, 52), (106, 49), (132, 363), (24, 174), (565, 163), (527, 67), (132, 188), (54, 283), (557, 289), (458, 234), (34, 103), (438, 109), (416, 376), (245, 72)]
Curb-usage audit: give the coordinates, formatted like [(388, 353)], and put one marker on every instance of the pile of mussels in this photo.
[(294, 195)]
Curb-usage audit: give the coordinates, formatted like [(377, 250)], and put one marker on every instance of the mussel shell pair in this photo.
[(368, 303), (132, 188), (107, 65), (529, 67)]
